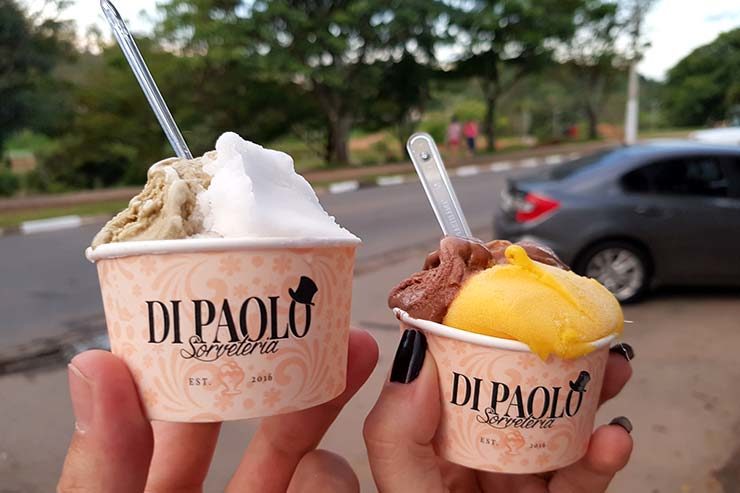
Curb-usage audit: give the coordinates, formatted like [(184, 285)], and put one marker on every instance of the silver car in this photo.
[(634, 217)]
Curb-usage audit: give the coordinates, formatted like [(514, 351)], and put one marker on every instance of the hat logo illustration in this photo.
[(579, 385), (305, 291)]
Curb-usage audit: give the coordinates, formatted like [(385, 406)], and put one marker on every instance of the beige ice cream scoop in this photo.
[(167, 206)]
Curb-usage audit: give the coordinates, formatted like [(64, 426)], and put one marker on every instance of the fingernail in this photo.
[(623, 349), (80, 389), (623, 422), (409, 357)]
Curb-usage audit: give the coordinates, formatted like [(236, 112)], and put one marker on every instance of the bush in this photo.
[(388, 150), (9, 183), (435, 124), (471, 109)]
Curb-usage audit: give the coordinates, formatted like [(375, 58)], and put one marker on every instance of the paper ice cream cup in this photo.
[(504, 409), (224, 329)]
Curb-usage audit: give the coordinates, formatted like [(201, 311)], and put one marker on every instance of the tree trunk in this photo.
[(593, 122), (339, 124), (337, 141), (490, 93), (489, 124), (405, 126)]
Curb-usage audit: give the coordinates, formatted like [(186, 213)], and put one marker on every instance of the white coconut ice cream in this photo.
[(240, 190)]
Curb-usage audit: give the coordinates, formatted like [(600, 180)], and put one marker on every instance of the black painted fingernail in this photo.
[(623, 349), (623, 422), (409, 357)]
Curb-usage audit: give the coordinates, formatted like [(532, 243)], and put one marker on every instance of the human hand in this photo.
[(116, 449), (400, 428)]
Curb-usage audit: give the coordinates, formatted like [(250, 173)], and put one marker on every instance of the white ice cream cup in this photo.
[(504, 409), (222, 329)]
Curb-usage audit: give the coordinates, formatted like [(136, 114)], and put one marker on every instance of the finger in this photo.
[(399, 430), (281, 441), (491, 482), (458, 478), (324, 471), (182, 456), (618, 373), (112, 443), (608, 453)]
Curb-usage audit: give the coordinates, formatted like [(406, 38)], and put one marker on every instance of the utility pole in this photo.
[(631, 118)]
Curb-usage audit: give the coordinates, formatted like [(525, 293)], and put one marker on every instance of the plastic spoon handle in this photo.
[(428, 163), (146, 81)]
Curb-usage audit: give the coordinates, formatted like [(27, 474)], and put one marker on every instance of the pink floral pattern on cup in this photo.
[(276, 338), (510, 411)]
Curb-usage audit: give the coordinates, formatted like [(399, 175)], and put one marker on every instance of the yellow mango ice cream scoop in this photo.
[(517, 291), (552, 310)]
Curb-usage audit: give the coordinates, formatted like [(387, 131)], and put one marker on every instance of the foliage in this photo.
[(9, 183), (705, 85), (321, 80), (592, 59), (337, 52), (105, 148), (470, 109), (30, 49), (506, 40)]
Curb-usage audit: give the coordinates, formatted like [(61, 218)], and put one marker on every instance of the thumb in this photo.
[(608, 452), (112, 444), (400, 428)]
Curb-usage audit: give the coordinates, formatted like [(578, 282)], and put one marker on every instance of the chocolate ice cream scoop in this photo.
[(428, 294)]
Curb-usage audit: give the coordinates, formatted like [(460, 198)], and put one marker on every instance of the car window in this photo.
[(697, 176), (570, 168), (732, 170)]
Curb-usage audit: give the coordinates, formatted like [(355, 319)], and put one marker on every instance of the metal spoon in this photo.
[(433, 175), (146, 81)]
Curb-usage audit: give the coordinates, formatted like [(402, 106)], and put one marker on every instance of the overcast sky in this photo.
[(674, 27)]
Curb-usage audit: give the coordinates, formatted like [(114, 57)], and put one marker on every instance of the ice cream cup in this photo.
[(221, 329), (504, 409)]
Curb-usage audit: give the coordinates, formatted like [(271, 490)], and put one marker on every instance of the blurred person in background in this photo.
[(470, 130), (453, 137)]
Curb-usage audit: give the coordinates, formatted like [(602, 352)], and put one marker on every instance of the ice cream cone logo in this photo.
[(513, 441), (231, 376)]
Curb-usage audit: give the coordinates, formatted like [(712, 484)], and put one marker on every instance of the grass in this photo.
[(667, 133), (15, 218)]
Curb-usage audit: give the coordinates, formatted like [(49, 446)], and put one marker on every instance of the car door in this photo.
[(729, 212), (682, 205)]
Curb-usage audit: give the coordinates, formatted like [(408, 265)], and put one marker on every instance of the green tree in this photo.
[(592, 59), (335, 51), (705, 85), (504, 40), (113, 136), (402, 97), (30, 49)]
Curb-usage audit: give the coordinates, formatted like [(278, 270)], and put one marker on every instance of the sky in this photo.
[(673, 27)]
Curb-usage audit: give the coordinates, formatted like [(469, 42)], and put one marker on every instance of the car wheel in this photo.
[(623, 268)]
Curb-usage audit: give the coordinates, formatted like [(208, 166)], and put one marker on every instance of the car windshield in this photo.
[(570, 168)]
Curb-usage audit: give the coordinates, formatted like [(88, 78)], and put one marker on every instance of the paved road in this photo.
[(47, 288)]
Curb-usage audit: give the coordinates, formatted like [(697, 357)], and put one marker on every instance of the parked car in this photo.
[(634, 217)]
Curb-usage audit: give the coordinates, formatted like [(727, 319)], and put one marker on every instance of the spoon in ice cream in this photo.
[(146, 81), (436, 182)]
